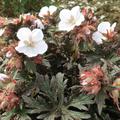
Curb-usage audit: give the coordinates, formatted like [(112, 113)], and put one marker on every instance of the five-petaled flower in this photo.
[(31, 42), (70, 18), (47, 11), (105, 31)]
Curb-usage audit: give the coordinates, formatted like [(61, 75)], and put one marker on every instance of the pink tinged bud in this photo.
[(84, 11), (9, 100), (9, 54), (90, 80)]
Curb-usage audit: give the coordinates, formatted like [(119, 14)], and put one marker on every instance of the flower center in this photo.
[(110, 34), (29, 43), (72, 20)]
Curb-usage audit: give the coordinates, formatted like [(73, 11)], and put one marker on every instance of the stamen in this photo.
[(29, 43)]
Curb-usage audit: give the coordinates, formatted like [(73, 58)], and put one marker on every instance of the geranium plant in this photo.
[(59, 64)]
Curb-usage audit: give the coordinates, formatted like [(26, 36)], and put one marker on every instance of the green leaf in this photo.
[(7, 115), (78, 115), (50, 117), (30, 66), (100, 100), (46, 63), (60, 80), (37, 110), (72, 115), (24, 117), (115, 59), (81, 101), (32, 103), (42, 116)]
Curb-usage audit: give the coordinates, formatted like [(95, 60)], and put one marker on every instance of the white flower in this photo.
[(47, 11), (104, 32), (105, 27), (3, 77), (70, 18), (1, 31), (39, 24), (31, 42)]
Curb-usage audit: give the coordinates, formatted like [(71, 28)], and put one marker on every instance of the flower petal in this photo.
[(98, 37), (21, 44), (65, 26), (103, 27), (3, 76), (52, 9), (28, 51), (113, 26), (65, 15), (80, 19), (1, 31), (24, 33), (75, 11), (44, 11), (41, 47), (37, 35)]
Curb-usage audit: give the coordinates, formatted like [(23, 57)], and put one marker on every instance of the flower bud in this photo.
[(90, 80)]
